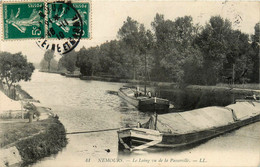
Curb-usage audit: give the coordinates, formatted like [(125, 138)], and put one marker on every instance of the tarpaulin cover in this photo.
[(244, 110), (203, 118)]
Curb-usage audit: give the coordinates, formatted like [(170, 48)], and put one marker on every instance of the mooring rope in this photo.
[(103, 130), (92, 131)]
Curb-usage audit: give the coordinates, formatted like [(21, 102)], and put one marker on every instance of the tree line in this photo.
[(174, 51)]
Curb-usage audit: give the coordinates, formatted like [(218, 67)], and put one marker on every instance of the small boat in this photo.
[(139, 99), (184, 128), (142, 102), (72, 75)]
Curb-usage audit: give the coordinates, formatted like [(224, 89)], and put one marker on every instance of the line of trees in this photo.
[(175, 51)]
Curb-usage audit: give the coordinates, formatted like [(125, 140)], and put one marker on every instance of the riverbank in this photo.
[(246, 88), (23, 143), (237, 88), (51, 71), (33, 141)]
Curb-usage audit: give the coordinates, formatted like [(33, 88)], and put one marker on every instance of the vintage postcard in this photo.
[(129, 83)]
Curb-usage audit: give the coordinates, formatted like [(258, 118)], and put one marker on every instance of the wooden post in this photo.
[(22, 109), (155, 124), (30, 116)]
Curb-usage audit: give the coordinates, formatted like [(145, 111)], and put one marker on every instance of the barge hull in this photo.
[(172, 141)]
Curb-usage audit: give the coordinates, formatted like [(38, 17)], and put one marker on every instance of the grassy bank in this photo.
[(170, 85), (130, 81), (248, 90), (241, 86), (34, 140)]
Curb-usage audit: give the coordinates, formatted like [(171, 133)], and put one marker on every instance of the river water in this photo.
[(89, 105)]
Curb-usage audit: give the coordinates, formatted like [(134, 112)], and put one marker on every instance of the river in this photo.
[(88, 105)]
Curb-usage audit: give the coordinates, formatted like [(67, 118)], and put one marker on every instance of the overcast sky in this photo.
[(108, 17)]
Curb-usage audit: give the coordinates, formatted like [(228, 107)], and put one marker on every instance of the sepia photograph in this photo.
[(128, 83)]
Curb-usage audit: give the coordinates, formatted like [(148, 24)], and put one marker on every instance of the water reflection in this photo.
[(188, 99)]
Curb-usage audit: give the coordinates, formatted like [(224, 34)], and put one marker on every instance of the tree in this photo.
[(256, 55), (239, 56), (136, 42), (226, 52), (88, 61), (145, 45), (214, 45), (53, 65), (128, 33), (173, 47), (69, 61), (193, 67), (162, 31), (113, 59), (48, 56), (14, 68)]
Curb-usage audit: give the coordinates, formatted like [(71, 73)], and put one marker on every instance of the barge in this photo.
[(179, 129), (143, 102)]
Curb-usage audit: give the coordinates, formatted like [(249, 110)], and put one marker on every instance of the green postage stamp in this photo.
[(49, 19), (68, 20), (23, 20)]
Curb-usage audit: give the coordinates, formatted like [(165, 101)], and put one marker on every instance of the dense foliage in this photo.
[(44, 65), (176, 51), (14, 68), (51, 139), (48, 57)]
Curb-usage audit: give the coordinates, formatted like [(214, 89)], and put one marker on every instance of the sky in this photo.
[(108, 16)]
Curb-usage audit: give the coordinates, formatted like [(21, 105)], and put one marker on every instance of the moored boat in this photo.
[(142, 102), (180, 129), (72, 75)]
